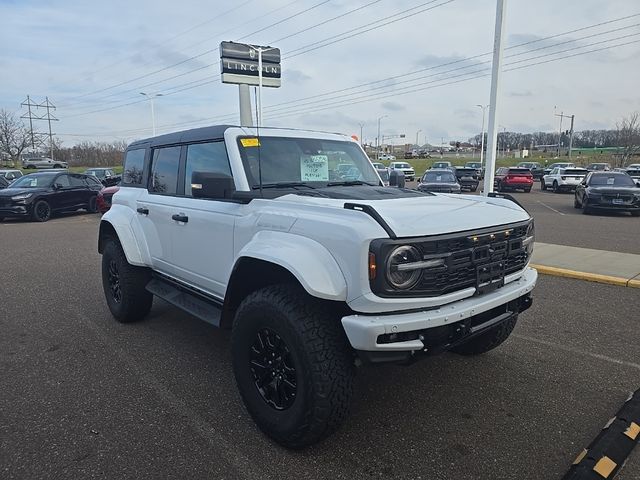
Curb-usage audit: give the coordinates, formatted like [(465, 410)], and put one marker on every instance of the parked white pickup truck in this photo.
[(314, 272)]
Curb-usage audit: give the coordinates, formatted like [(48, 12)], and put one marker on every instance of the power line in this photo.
[(200, 54), (467, 76), (199, 83), (415, 90)]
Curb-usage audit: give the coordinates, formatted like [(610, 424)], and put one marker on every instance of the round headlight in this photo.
[(398, 276)]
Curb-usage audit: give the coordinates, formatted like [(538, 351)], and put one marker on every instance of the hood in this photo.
[(10, 192), (434, 214)]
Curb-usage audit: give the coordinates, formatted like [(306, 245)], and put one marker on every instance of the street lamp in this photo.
[(484, 108), (504, 140), (378, 137), (153, 115), (417, 146), (361, 127)]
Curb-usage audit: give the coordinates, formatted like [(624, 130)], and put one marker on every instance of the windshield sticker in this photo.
[(33, 182), (611, 180), (250, 142), (314, 168), (438, 178)]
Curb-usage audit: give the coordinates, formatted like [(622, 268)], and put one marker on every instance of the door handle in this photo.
[(143, 210), (178, 217)]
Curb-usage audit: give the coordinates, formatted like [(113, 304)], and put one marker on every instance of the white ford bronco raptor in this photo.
[(314, 268)]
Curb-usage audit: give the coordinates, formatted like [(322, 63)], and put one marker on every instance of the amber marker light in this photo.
[(372, 266)]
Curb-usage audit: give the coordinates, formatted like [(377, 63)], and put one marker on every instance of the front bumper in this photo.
[(15, 211), (364, 331)]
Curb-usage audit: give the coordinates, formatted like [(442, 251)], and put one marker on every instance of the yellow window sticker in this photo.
[(250, 142)]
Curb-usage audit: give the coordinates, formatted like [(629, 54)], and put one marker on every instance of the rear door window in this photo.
[(164, 170)]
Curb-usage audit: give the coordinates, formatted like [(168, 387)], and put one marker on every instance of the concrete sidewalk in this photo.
[(588, 264)]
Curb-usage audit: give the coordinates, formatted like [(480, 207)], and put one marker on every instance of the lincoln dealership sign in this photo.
[(239, 64)]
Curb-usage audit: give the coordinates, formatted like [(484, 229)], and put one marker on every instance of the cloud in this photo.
[(521, 93), (393, 106), (295, 76)]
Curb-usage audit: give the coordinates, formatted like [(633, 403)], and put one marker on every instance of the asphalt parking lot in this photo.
[(558, 222), (85, 397)]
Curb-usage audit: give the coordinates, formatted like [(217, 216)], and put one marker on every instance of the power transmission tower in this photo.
[(39, 111)]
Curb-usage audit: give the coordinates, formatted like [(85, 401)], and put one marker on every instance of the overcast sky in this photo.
[(92, 56)]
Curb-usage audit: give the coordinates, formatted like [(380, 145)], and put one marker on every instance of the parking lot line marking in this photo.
[(597, 356), (550, 208), (590, 277)]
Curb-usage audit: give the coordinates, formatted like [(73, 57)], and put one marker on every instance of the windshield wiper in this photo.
[(283, 185), (348, 183)]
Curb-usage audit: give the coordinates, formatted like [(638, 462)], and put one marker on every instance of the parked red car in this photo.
[(513, 178), (104, 198)]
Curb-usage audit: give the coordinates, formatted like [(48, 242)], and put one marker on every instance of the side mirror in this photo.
[(212, 185)]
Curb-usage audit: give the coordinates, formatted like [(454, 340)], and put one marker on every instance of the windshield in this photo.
[(34, 181), (441, 165), (438, 177), (616, 180), (307, 161), (96, 173), (473, 165)]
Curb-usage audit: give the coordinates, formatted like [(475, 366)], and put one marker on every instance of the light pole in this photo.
[(484, 109), (153, 114), (504, 141), (378, 137), (361, 127), (417, 146), (260, 51)]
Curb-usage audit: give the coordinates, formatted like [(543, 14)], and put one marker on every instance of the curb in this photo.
[(608, 452), (589, 277)]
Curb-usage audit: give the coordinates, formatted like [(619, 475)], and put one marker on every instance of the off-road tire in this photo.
[(41, 211), (488, 340), (499, 187), (555, 187), (134, 301), (319, 351), (543, 186), (92, 206)]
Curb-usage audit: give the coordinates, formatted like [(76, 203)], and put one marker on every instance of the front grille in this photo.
[(5, 201), (464, 254)]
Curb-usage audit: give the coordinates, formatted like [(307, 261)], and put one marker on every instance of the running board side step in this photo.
[(191, 302)]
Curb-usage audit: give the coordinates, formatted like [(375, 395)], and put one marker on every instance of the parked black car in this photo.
[(536, 169), (468, 178), (106, 175), (39, 195), (614, 191), (439, 180)]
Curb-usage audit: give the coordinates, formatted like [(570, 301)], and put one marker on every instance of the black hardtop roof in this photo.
[(213, 132)]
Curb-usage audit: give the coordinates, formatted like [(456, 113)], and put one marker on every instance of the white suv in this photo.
[(566, 179), (314, 273), (409, 172)]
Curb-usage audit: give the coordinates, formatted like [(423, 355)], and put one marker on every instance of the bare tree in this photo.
[(628, 138), (14, 136)]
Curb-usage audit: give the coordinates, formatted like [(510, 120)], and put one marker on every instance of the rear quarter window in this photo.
[(132, 174)]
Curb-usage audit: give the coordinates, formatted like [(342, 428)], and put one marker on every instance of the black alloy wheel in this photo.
[(555, 187), (273, 369), (41, 211), (113, 275)]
